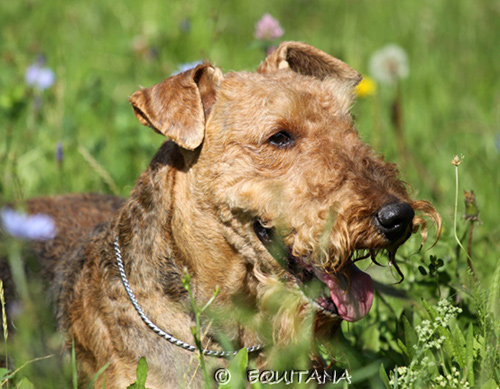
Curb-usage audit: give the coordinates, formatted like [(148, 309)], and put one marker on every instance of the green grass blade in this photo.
[(73, 364), (97, 375), (469, 354), (384, 377)]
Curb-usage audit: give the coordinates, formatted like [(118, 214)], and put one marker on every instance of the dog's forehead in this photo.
[(284, 92), (251, 108)]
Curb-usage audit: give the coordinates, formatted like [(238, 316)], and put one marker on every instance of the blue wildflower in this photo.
[(185, 25), (39, 76), (186, 66), (34, 227), (59, 152)]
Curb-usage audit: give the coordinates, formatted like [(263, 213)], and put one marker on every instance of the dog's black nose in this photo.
[(393, 220)]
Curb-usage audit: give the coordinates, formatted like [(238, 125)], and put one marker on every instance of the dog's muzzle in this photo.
[(347, 293)]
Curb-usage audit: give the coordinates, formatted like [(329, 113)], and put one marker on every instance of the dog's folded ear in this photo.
[(178, 106), (308, 60)]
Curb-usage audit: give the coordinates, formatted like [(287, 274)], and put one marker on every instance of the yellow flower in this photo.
[(366, 87)]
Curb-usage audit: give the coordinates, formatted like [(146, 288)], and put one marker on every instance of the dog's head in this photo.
[(295, 192)]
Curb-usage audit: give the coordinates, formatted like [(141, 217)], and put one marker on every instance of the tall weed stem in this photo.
[(456, 162), (196, 330)]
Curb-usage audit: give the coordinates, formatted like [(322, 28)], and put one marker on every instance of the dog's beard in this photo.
[(347, 294)]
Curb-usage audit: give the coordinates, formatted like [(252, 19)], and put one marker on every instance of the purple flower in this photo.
[(20, 225), (186, 66), (268, 28), (59, 152), (39, 76), (185, 25)]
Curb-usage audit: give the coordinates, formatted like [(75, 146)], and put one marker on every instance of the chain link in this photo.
[(159, 331)]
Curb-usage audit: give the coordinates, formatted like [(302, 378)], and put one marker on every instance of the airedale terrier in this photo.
[(262, 187)]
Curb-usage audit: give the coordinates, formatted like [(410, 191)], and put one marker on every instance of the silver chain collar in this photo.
[(159, 331)]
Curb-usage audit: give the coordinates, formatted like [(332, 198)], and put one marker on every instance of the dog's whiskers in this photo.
[(393, 263)]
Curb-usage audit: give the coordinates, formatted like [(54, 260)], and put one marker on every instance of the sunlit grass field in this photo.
[(80, 135)]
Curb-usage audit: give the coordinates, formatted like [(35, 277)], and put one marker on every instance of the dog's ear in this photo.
[(308, 60), (178, 106)]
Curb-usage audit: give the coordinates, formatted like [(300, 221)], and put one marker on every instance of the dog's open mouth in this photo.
[(348, 294)]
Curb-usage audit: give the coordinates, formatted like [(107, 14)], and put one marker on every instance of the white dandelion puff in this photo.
[(389, 64)]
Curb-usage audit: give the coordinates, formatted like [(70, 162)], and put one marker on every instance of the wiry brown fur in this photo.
[(196, 205)]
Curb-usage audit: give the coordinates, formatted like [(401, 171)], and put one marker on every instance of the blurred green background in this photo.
[(102, 51)]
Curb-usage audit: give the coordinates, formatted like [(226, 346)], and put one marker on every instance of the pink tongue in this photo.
[(355, 300)]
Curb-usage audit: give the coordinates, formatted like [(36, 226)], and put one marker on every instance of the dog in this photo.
[(262, 191)]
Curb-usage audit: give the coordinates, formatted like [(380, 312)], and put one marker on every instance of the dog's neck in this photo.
[(171, 241)]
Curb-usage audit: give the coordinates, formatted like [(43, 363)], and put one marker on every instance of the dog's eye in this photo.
[(282, 139)]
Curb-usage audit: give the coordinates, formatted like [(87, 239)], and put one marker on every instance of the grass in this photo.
[(102, 51)]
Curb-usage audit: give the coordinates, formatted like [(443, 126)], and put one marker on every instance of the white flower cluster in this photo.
[(408, 377), (402, 376), (452, 380), (446, 312), (425, 332), (426, 329)]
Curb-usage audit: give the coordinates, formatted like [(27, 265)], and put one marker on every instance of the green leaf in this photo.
[(449, 344), (491, 384), (25, 384), (458, 344), (431, 370), (384, 377), (469, 355), (411, 338), (494, 294), (370, 338), (422, 270), (237, 370), (4, 373), (430, 310), (240, 360), (404, 349), (141, 373)]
